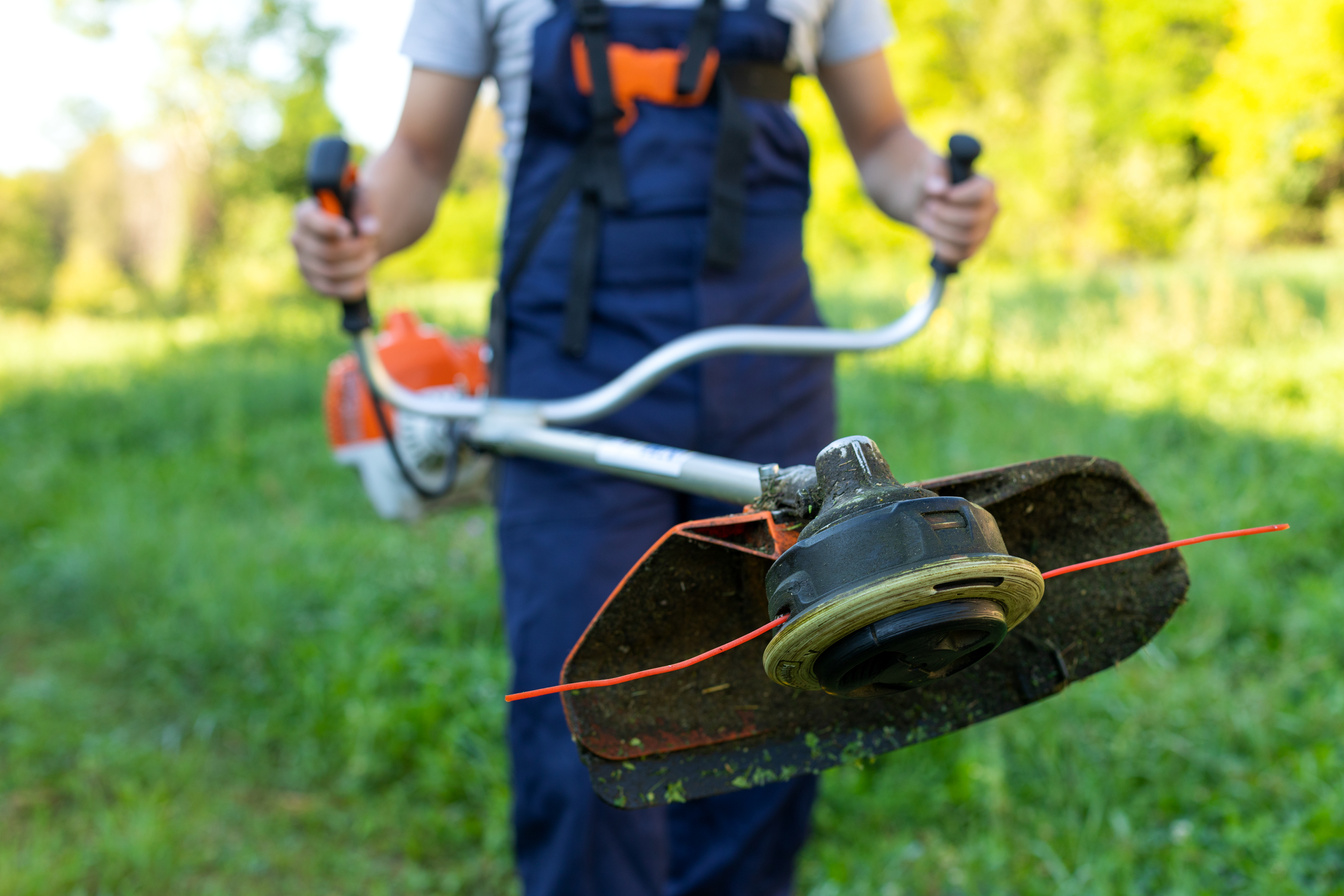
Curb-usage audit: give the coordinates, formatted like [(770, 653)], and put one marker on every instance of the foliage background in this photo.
[(1115, 130), (220, 674)]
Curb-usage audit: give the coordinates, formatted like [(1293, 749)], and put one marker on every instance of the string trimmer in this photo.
[(902, 611)]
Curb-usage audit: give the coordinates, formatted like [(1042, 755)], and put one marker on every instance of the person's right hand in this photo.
[(334, 260)]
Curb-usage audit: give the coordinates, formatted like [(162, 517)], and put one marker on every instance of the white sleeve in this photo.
[(855, 28), (449, 36)]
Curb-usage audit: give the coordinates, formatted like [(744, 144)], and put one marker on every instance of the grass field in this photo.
[(219, 673)]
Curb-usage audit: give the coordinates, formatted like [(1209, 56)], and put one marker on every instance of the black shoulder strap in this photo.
[(604, 175), (727, 200), (595, 172), (601, 185), (704, 29), (727, 189)]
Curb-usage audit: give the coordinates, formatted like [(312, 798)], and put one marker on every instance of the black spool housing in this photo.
[(872, 529)]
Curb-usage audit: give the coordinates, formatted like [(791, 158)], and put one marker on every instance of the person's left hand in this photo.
[(956, 217)]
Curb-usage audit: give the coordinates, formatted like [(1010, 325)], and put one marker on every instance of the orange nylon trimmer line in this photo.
[(775, 623), (1115, 558), (659, 670)]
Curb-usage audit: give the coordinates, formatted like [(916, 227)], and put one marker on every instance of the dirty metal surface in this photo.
[(723, 725)]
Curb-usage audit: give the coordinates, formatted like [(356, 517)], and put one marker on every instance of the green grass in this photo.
[(219, 673)]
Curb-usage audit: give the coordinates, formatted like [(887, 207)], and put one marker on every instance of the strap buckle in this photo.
[(591, 15), (648, 75)]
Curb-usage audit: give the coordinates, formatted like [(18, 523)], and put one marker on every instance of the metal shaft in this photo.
[(738, 482)]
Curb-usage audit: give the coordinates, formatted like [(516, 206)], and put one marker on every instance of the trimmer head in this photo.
[(890, 586), (724, 725)]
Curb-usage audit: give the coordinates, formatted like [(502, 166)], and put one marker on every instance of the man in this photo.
[(658, 184)]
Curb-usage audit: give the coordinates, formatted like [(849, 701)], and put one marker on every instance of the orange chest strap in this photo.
[(649, 75)]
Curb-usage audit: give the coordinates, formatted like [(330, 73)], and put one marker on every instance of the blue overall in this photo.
[(568, 536)]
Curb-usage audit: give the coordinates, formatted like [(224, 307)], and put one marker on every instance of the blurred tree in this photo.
[(161, 220), (91, 18), (1085, 108), (32, 232), (265, 86), (93, 272), (1273, 114)]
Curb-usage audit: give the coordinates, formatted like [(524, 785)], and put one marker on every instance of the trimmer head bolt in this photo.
[(853, 477), (853, 462)]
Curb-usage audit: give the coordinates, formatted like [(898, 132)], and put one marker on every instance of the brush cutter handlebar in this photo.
[(655, 367), (527, 428)]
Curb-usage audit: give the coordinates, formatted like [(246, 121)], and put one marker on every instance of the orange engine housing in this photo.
[(418, 356), (421, 358)]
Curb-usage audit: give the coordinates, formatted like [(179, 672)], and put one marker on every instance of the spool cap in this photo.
[(890, 586)]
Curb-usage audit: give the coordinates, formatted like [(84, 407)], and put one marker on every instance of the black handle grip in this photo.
[(962, 151), (331, 179)]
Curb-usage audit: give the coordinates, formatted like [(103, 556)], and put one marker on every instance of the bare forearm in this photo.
[(895, 170), (403, 185), (401, 190), (892, 161)]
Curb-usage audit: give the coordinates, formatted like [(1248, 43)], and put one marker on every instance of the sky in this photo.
[(47, 68)]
